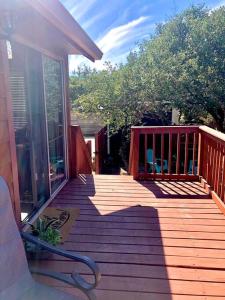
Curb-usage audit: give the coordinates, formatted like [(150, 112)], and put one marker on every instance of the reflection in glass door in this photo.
[(30, 128), (55, 120)]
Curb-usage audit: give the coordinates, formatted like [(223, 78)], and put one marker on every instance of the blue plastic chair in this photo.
[(190, 167), (155, 165)]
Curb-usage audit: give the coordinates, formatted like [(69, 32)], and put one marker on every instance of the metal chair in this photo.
[(16, 281)]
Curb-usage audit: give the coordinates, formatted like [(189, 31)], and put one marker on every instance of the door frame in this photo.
[(65, 121)]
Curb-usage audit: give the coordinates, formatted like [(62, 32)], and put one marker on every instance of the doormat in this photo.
[(61, 219)]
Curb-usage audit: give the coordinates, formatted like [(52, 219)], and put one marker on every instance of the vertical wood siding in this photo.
[(8, 162)]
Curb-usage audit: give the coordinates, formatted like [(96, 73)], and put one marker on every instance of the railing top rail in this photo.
[(212, 132), (164, 129)]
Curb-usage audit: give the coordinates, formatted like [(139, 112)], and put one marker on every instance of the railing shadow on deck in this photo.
[(175, 189), (127, 261), (188, 153)]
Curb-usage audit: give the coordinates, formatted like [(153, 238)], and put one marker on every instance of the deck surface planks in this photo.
[(151, 240)]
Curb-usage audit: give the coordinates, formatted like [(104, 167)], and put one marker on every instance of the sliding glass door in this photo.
[(30, 129), (35, 94), (55, 120), (38, 114)]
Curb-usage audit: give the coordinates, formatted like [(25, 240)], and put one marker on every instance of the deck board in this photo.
[(152, 240)]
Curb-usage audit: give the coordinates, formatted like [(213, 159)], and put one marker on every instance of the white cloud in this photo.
[(91, 21), (80, 8), (218, 5), (119, 35), (117, 43)]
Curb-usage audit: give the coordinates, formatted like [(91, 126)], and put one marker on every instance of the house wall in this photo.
[(8, 162), (8, 159)]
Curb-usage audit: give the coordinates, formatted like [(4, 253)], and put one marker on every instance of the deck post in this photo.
[(200, 154), (135, 153)]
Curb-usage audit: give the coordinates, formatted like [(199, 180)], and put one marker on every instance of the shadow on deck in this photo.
[(152, 240)]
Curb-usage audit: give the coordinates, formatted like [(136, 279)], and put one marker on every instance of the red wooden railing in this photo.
[(80, 154), (89, 146), (180, 153), (100, 150), (212, 163), (164, 152)]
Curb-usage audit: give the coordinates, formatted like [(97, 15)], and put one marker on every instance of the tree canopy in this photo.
[(181, 66)]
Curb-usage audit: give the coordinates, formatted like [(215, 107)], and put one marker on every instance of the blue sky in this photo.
[(117, 26)]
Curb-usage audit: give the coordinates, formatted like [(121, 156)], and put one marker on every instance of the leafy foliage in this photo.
[(45, 232), (187, 63), (181, 66)]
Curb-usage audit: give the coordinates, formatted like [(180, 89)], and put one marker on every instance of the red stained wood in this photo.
[(213, 163), (178, 154), (100, 150), (218, 167), (131, 159), (170, 154), (126, 295), (162, 130), (162, 152), (154, 154), (148, 246), (194, 153), (186, 154), (8, 160), (80, 156), (145, 147), (136, 141), (165, 129), (223, 176), (208, 150), (89, 146)]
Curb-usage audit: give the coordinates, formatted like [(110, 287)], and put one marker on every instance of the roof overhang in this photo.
[(59, 17), (73, 38)]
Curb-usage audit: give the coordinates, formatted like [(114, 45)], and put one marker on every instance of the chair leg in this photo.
[(90, 294)]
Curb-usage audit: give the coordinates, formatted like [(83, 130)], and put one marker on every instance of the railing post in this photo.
[(170, 153), (80, 157), (136, 141), (162, 153), (186, 154), (131, 167), (200, 153), (194, 154), (178, 154), (73, 152)]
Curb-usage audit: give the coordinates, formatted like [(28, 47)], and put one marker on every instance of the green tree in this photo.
[(186, 64), (182, 66)]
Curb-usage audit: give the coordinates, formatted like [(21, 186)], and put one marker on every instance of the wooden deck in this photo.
[(151, 240)]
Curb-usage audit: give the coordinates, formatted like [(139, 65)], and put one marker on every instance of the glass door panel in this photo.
[(17, 81), (38, 126), (55, 120), (26, 84)]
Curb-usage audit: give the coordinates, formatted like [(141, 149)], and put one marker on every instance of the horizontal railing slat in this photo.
[(165, 129)]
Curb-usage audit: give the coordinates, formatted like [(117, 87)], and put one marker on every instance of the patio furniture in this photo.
[(157, 165), (191, 167), (16, 281)]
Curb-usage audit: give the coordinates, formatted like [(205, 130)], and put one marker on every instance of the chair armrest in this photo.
[(79, 281), (64, 278)]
